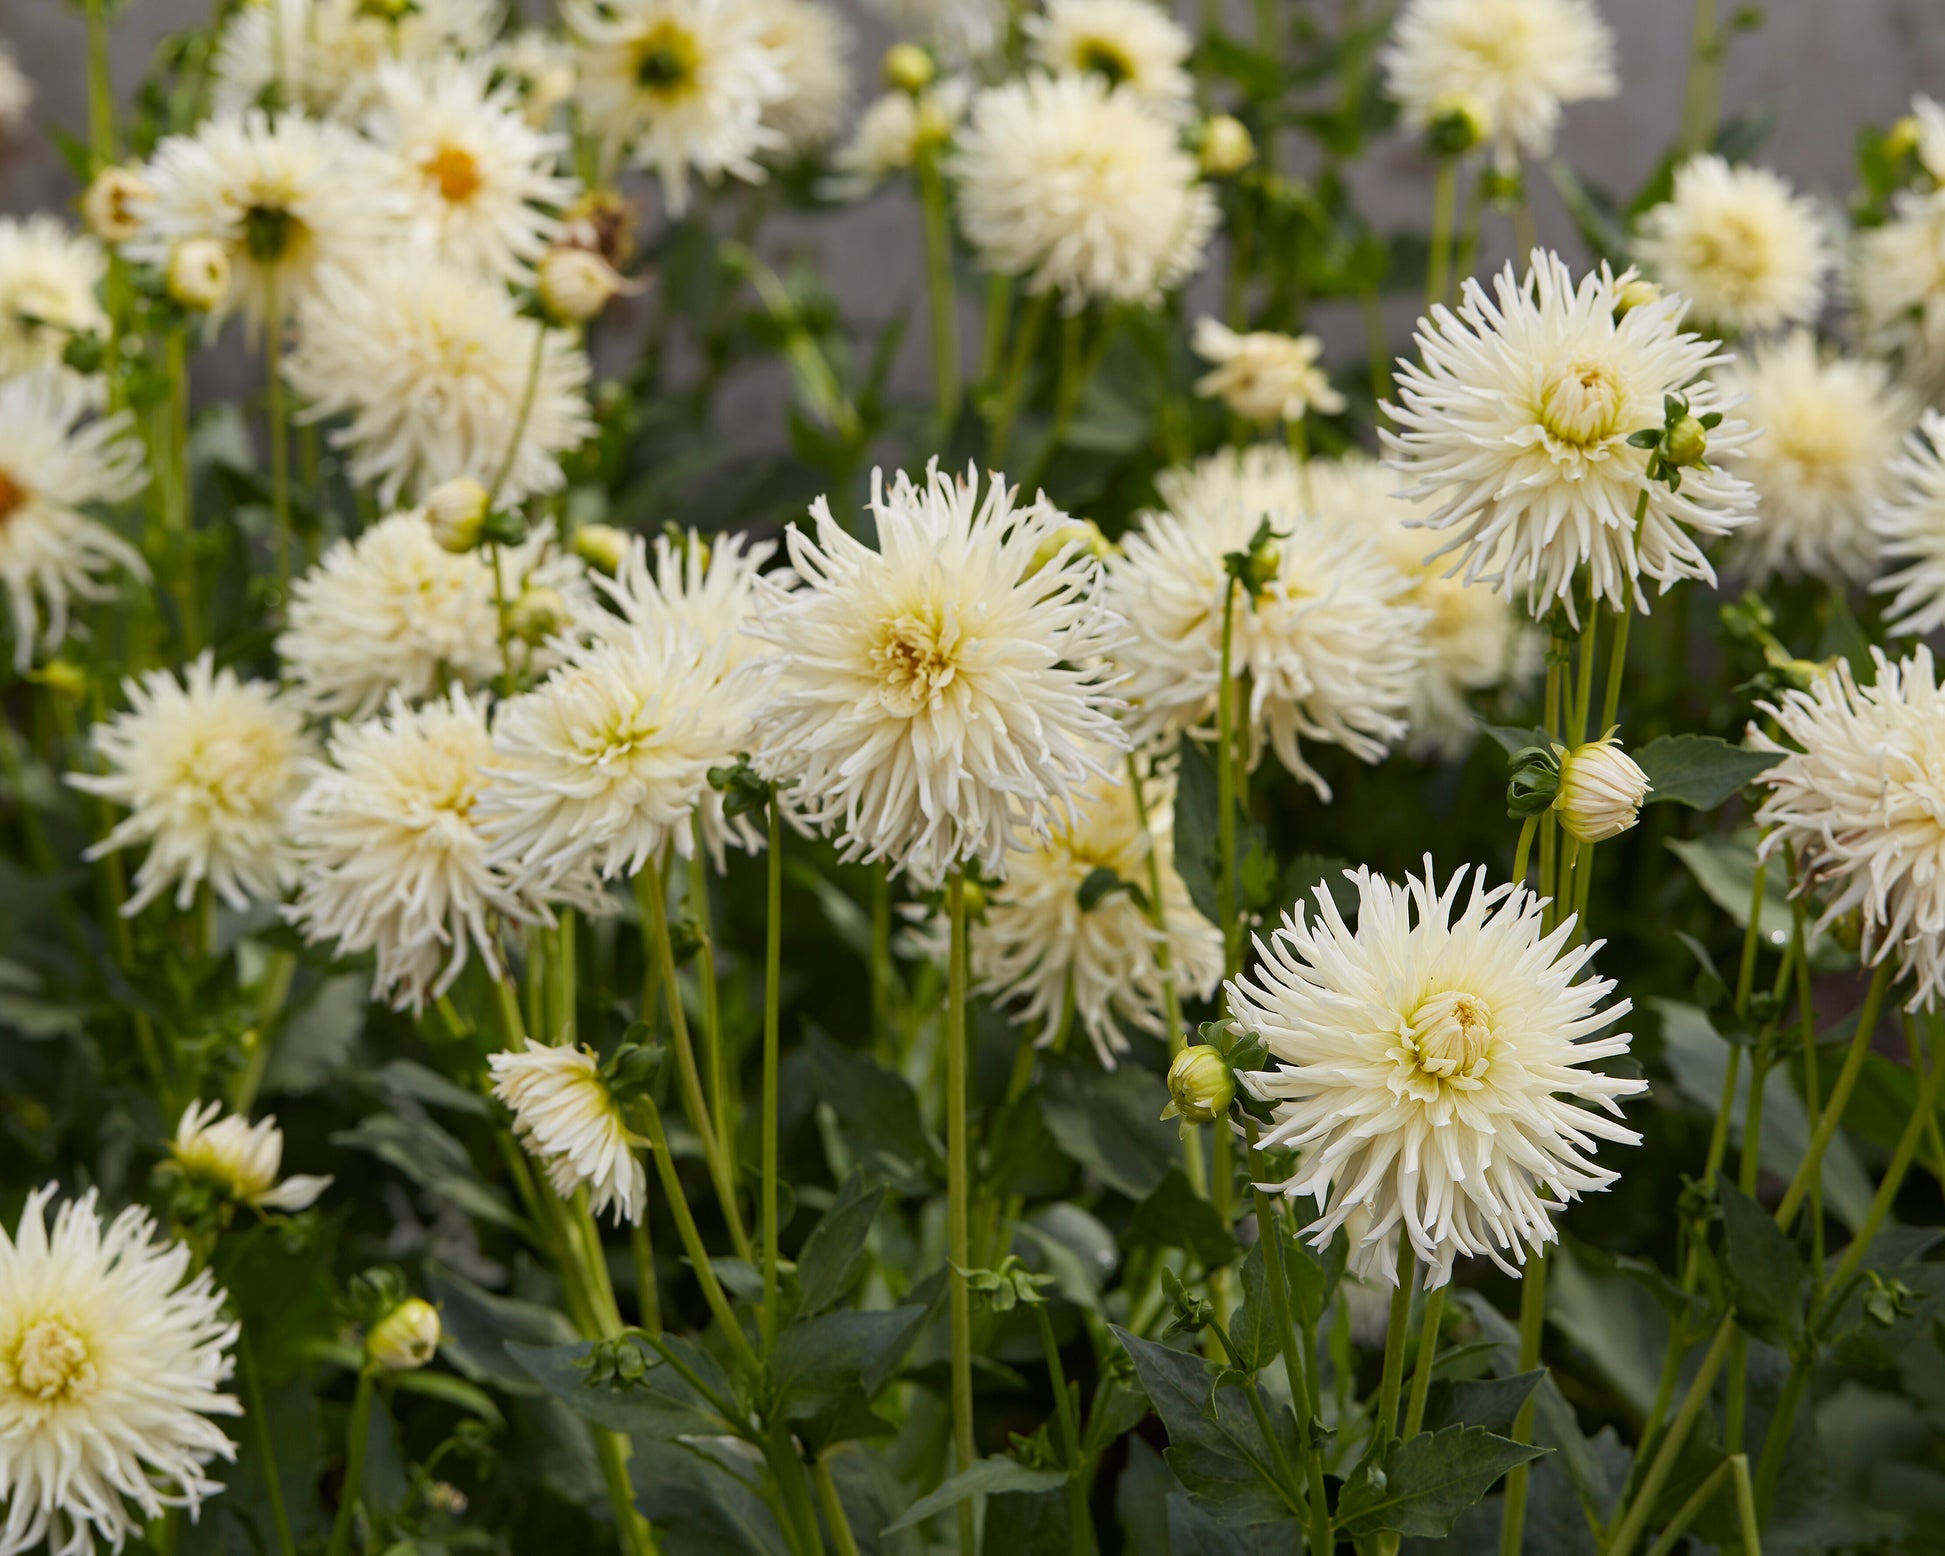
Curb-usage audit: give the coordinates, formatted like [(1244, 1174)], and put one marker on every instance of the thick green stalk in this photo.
[(1192, 1162), (772, 1019), (1006, 404), (1391, 1381), (1633, 1521), (1445, 207), (835, 1517), (1226, 787), (1812, 1076), (1376, 345), (1698, 92), (1080, 1524), (943, 309), (1421, 1377), (1533, 1314), (648, 1294), (357, 1437), (1833, 1113), (101, 87), (958, 1224), (266, 1445), (1690, 1510), (1617, 658), (712, 1020)]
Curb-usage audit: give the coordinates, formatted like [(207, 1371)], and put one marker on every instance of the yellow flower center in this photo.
[(1452, 1035), (50, 1362), (13, 497), (1582, 403), (666, 58), (1733, 250), (918, 660), (456, 171)]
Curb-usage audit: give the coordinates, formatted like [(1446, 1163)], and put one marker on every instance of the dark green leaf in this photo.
[(1429, 1481), (1196, 825), (879, 1111), (1513, 741), (987, 1476), (1699, 771), (475, 1326), (1488, 1402), (661, 1405), (817, 1362), (698, 1506), (1765, 1268), (1253, 1328), (1110, 1122), (432, 1159), (833, 1254), (1175, 1216)]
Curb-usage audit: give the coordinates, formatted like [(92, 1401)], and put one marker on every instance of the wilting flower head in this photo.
[(1831, 428), (1746, 252), (111, 1358), (207, 767), (566, 1118), (1262, 376), (889, 133), (477, 181), (432, 365), (809, 44), (1043, 941), (1432, 1068), (1601, 790), (1517, 428), (1080, 189), (1858, 798), (48, 280), (54, 463), (1127, 43), (931, 695), (1331, 648), (683, 84), (1898, 285), (240, 1158), (1910, 525)]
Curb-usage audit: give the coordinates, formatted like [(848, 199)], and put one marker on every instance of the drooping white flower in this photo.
[(1516, 426), (1081, 190), (965, 32), (1039, 945), (567, 1119), (54, 463), (393, 610), (1517, 61), (1898, 286), (1132, 44), (207, 767), (48, 280), (16, 93), (1831, 427), (683, 85), (1330, 651), (241, 1159), (112, 1360), (1859, 798), (810, 46), (932, 695), (1262, 376), (1433, 1068), (889, 132), (1745, 250), (1910, 527), (432, 366), (478, 182)]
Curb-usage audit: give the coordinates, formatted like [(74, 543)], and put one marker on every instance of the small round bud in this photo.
[(601, 545), (110, 206), (1200, 1085), (934, 124), (1636, 294), (538, 614), (1901, 140), (406, 1338), (1687, 443), (1601, 790), (1227, 147), (1083, 534), (908, 68), (1459, 122), (199, 274), (576, 284), (456, 511)]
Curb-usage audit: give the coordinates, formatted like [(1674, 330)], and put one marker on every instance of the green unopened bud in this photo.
[(1901, 140), (1601, 790), (538, 614), (455, 510), (1636, 294), (198, 276), (1459, 122), (1258, 567), (1200, 1086), (1082, 534), (601, 545), (406, 1338), (1534, 782), (1686, 443), (1227, 146), (908, 68)]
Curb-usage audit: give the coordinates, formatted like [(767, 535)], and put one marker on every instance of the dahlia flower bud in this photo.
[(908, 68), (1227, 147), (576, 284), (456, 512), (601, 545), (1082, 533), (1200, 1087), (538, 614), (1460, 121), (1687, 442), (1601, 790), (406, 1338), (1636, 294), (109, 206), (198, 277)]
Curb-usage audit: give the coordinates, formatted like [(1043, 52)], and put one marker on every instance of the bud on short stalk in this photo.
[(456, 512), (575, 284), (198, 276), (601, 546), (1601, 790), (1200, 1085), (908, 68), (1227, 146), (406, 1338)]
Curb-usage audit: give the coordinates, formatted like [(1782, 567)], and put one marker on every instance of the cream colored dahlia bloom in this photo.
[(682, 85), (1897, 286), (1516, 428), (1745, 250), (1132, 44), (241, 1159), (1831, 428), (208, 767), (889, 132), (431, 368), (567, 1120), (1432, 1069), (930, 697), (1037, 946), (1601, 790), (54, 464), (1080, 189), (1262, 376), (1859, 798), (1331, 652), (112, 1358), (810, 46), (1909, 526), (49, 276), (478, 182)]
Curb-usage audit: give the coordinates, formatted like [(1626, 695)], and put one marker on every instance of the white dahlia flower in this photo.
[(54, 464), (1831, 428), (16, 93), (1909, 526), (208, 768), (1898, 285), (1516, 427), (1262, 376), (1331, 651), (393, 610), (1079, 188), (1132, 44), (436, 373), (567, 1120), (241, 1159), (932, 695), (478, 182), (1859, 798), (1517, 61), (810, 46), (1037, 945), (1746, 251), (1433, 1068), (708, 586), (889, 132), (112, 1357), (683, 85), (49, 275)]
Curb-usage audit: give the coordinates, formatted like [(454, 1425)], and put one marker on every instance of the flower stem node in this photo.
[(406, 1338), (1225, 146), (1459, 122), (456, 511), (1601, 790), (1011, 1285), (1681, 443), (1256, 568), (1200, 1085), (198, 276), (908, 68)]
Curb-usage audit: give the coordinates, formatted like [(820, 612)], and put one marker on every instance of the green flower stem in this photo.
[(1549, 827), (1445, 209), (1533, 1314), (502, 613), (1915, 1052), (1633, 1521), (277, 413), (1226, 788), (1375, 344), (1617, 655), (1752, 935), (266, 1445), (1699, 91), (1006, 404), (1583, 694), (943, 303), (1392, 1381), (772, 1019), (535, 362), (1812, 1076), (958, 1227), (611, 1448), (101, 86), (649, 893), (1687, 1513), (1077, 370), (1526, 237), (999, 315), (648, 1294), (1421, 1377), (798, 1517), (1833, 1113), (882, 1044), (1080, 1523), (357, 1436), (1770, 1467), (835, 1518), (1746, 1520), (712, 1022)]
